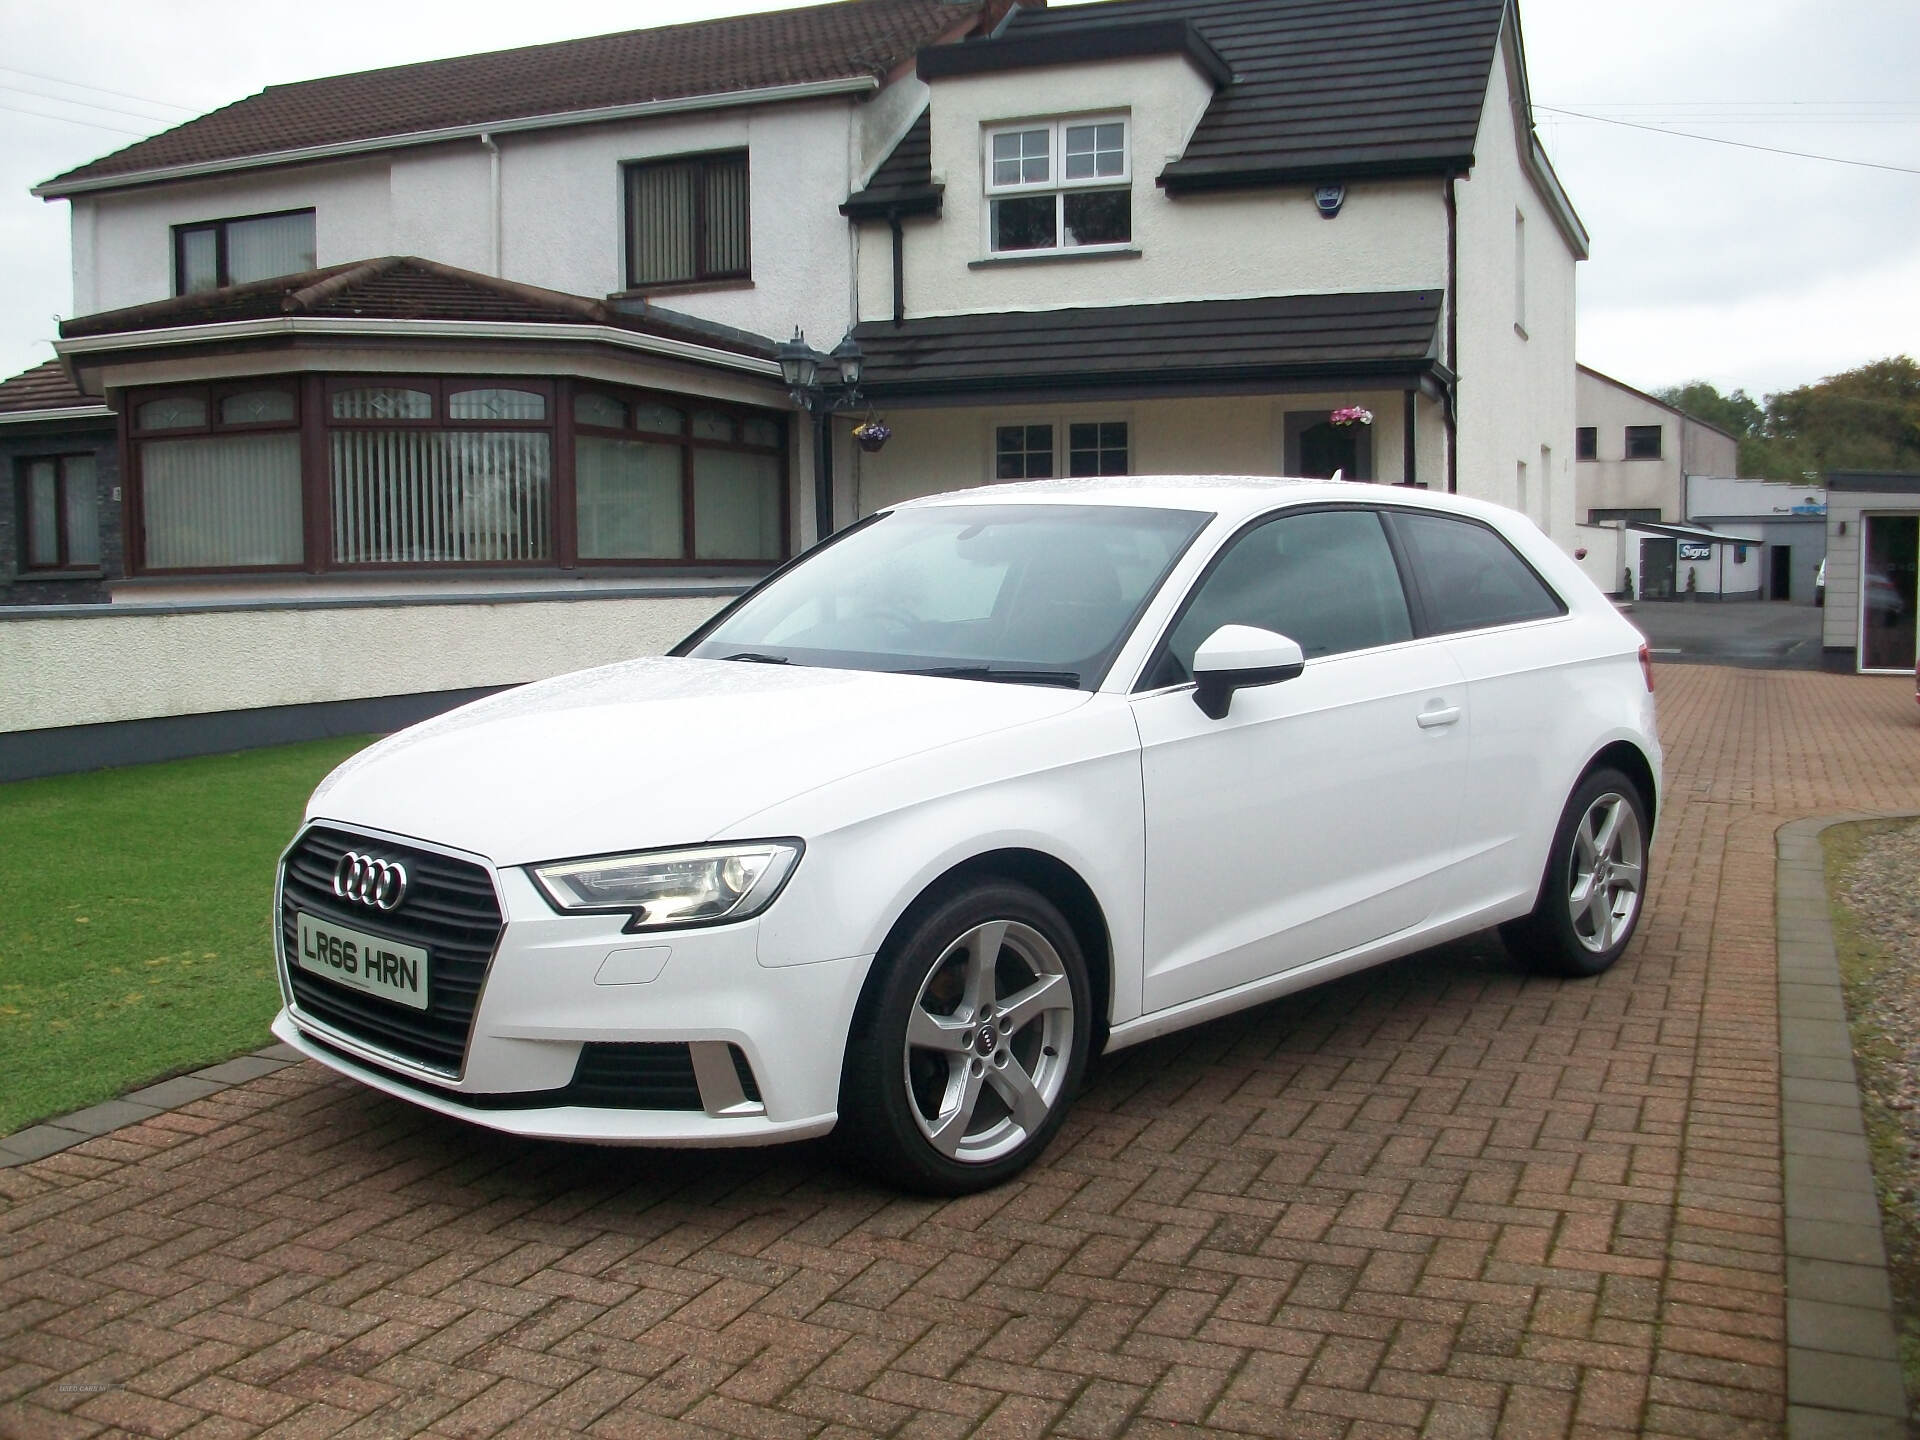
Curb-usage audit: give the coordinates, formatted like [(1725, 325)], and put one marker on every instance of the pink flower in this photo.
[(1351, 415)]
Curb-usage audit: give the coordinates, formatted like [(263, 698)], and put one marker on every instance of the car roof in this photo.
[(1229, 496)]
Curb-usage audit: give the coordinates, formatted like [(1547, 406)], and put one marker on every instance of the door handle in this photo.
[(1439, 715)]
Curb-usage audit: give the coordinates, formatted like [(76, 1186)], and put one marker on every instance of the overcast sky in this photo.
[(1749, 269)]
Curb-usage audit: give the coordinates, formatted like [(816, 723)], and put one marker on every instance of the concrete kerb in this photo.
[(1843, 1366), (50, 1137)]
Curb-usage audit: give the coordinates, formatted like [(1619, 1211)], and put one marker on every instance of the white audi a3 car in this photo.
[(988, 784)]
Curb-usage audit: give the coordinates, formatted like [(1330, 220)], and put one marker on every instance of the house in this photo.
[(1873, 539), (512, 327), (1633, 452)]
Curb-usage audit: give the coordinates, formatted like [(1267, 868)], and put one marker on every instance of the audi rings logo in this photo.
[(370, 880)]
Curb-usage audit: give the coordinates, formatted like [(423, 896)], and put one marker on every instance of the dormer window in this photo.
[(1059, 185)]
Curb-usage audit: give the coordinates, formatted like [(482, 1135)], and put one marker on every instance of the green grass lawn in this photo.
[(136, 920)]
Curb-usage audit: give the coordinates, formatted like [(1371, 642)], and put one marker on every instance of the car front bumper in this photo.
[(561, 986)]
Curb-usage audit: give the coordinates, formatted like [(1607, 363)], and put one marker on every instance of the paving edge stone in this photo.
[(1841, 1379), (63, 1132)]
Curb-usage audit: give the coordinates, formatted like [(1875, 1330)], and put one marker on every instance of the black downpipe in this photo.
[(1452, 388), (899, 269), (822, 475), (1407, 445)]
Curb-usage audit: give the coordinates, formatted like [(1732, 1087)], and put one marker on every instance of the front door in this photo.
[(1656, 569), (1782, 562), (1318, 449), (1887, 585), (1316, 816)]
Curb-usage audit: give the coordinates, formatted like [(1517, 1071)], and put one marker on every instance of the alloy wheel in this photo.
[(989, 1041)]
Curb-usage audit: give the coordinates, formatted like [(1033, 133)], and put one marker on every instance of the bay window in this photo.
[(334, 474), (220, 479), (434, 472), (1059, 185)]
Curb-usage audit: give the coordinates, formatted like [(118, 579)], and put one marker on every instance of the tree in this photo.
[(1738, 414), (1864, 419)]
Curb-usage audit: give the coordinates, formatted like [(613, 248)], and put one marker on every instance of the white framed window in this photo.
[(1039, 450), (1059, 185)]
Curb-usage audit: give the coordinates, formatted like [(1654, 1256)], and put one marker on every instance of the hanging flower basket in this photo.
[(1351, 415), (872, 433)]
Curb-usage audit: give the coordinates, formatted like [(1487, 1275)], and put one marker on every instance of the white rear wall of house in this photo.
[(562, 213)]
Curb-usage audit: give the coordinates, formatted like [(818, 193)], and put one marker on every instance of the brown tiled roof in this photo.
[(44, 387), (847, 40), (1322, 89), (405, 287)]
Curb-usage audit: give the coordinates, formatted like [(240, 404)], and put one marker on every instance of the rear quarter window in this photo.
[(1469, 577)]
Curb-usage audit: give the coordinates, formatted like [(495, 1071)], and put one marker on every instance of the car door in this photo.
[(1526, 678), (1315, 816)]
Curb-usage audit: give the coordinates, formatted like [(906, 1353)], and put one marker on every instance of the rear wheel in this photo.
[(969, 1044), (1591, 895)]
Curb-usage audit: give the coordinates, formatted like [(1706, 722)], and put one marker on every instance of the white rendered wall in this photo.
[(1389, 236), (561, 217), (564, 212), (934, 450), (1610, 481), (1722, 495), (128, 257), (121, 664), (1606, 559), (1516, 389)]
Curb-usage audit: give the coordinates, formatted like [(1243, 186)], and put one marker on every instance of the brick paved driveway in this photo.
[(1441, 1198)]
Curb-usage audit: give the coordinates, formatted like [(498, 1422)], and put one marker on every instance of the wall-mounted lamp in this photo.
[(1329, 199), (820, 385)]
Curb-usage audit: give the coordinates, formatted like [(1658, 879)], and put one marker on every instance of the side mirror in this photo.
[(1235, 657)]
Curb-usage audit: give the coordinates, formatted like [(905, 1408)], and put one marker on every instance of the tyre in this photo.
[(969, 1043), (1595, 881)]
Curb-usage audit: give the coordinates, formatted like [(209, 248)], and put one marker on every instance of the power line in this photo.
[(73, 120), (1737, 144), (98, 89), (85, 104)]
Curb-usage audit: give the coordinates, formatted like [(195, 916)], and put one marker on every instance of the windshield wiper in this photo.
[(1069, 679), (754, 657)]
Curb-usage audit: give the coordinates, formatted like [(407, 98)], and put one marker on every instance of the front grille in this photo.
[(450, 910), (606, 1077)]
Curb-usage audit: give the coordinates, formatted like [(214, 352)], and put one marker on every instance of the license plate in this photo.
[(361, 961)]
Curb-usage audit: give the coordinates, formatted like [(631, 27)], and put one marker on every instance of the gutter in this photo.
[(412, 329), (69, 412), (767, 95)]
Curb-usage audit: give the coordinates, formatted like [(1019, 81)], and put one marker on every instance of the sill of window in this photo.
[(1056, 257), (38, 577), (679, 287)]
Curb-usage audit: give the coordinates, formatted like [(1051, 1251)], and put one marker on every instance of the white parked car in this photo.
[(991, 783)]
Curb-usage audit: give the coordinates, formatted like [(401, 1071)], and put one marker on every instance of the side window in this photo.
[(1325, 578), (1469, 576)]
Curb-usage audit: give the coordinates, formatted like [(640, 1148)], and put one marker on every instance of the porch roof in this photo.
[(46, 393), (1196, 346)]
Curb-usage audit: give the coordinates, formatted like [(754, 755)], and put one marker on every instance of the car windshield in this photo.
[(1040, 594)]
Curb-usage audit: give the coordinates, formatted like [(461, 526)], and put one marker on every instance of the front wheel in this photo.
[(1591, 895), (969, 1043)]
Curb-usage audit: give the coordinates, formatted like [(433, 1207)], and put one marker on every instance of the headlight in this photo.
[(666, 888)]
